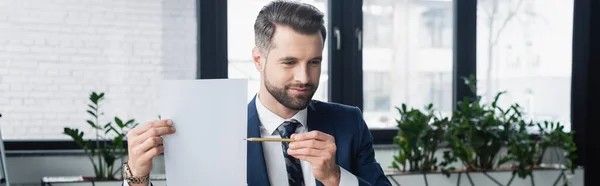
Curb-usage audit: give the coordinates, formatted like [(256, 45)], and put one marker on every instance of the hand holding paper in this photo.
[(145, 143)]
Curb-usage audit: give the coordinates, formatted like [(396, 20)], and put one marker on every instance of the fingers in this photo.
[(317, 135), (310, 156), (143, 128), (145, 143), (150, 154), (312, 148), (315, 144), (307, 152), (312, 144), (309, 159), (316, 161), (149, 144), (155, 132)]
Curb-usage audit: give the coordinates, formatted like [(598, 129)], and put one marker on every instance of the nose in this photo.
[(301, 74)]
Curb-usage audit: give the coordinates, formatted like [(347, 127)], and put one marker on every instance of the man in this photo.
[(333, 145)]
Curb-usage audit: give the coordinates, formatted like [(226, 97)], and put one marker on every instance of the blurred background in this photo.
[(379, 55)]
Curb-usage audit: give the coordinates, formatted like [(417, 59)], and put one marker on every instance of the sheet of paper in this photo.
[(210, 118)]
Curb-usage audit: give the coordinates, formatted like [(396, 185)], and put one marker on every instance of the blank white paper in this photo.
[(210, 118)]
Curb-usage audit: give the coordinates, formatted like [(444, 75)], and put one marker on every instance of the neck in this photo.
[(274, 106)]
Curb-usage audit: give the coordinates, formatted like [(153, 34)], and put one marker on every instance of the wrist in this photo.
[(334, 178), (133, 172), (134, 178), (137, 174)]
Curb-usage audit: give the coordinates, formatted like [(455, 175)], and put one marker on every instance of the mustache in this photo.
[(301, 86)]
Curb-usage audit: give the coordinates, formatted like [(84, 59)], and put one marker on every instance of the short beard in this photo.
[(294, 103)]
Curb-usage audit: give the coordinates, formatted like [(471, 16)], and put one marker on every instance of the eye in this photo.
[(315, 62), (288, 62)]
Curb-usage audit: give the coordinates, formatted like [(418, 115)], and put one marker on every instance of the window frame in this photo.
[(346, 62), (584, 84)]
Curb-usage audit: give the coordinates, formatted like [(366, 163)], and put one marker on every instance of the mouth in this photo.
[(299, 90)]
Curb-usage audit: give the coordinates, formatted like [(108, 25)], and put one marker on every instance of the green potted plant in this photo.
[(108, 145), (552, 134), (521, 150), (527, 151), (478, 132), (475, 135), (418, 138)]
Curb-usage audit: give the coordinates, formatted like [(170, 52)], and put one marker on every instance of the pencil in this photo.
[(269, 139)]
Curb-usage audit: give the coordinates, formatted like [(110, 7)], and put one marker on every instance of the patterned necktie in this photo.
[(293, 167)]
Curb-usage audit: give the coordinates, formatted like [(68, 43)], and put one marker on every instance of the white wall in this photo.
[(54, 53)]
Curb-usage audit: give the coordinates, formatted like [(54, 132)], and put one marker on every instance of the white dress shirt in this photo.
[(273, 152), (275, 162)]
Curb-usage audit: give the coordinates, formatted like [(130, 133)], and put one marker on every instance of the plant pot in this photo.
[(542, 177)]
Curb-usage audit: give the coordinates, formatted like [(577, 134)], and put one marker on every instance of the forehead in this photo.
[(286, 41)]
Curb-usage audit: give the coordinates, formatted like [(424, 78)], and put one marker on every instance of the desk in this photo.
[(48, 181)]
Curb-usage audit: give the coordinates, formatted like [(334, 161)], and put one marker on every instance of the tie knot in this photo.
[(287, 128)]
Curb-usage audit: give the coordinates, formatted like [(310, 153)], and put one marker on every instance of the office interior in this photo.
[(378, 56)]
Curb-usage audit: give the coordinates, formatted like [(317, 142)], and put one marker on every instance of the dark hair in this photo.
[(301, 17)]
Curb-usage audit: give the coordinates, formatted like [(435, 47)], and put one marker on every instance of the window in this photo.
[(241, 15), (377, 91), (439, 86), (380, 18), (54, 54), (436, 27), (521, 50), (407, 58)]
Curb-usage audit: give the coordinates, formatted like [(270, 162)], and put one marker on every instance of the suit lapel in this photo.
[(315, 122), (256, 170)]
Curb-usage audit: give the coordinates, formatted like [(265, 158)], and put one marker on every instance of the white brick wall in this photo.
[(54, 53)]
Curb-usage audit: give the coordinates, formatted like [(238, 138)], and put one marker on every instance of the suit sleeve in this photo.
[(369, 170)]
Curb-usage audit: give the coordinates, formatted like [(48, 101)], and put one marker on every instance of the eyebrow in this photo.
[(289, 58)]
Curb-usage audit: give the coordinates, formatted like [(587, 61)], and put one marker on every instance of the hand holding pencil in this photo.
[(315, 147)]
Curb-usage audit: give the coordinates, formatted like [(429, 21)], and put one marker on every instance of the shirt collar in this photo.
[(270, 121)]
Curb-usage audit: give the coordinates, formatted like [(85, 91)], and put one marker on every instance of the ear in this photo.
[(256, 58)]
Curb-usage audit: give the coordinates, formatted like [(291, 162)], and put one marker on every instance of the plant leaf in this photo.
[(92, 113), (92, 124), (119, 122), (107, 125), (94, 98), (92, 107), (112, 129)]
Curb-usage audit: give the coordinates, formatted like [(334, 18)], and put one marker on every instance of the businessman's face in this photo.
[(292, 67)]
